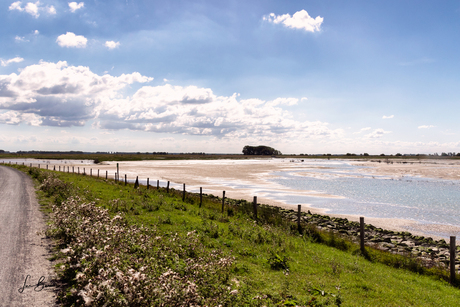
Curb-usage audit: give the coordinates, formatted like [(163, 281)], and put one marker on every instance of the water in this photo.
[(426, 201)]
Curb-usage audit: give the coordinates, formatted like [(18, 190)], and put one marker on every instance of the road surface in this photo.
[(25, 272)]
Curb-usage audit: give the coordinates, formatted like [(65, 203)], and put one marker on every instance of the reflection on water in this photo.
[(419, 199)]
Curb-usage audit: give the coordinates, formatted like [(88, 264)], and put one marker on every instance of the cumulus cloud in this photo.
[(376, 134), (32, 8), (13, 60), (20, 39), (112, 44), (426, 127), (198, 111), (300, 20), (74, 6), (388, 117), (57, 94), (71, 40)]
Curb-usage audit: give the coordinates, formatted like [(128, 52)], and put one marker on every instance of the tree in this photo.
[(260, 150)]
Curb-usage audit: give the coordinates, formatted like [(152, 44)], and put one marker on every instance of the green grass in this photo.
[(273, 264)]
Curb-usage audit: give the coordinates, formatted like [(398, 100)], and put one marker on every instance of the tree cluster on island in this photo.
[(260, 150)]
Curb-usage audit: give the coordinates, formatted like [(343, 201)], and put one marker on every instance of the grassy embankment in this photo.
[(191, 255)]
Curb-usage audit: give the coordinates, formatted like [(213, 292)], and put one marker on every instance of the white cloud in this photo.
[(376, 134), (300, 20), (16, 6), (198, 111), (283, 101), (32, 8), (58, 94), (71, 40), (13, 60), (15, 117), (51, 10), (112, 44), (75, 6), (36, 32), (20, 39), (362, 130), (388, 117), (426, 127)]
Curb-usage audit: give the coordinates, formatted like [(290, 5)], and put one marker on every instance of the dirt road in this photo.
[(25, 272)]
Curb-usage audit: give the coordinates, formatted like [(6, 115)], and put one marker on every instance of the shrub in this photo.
[(108, 262)]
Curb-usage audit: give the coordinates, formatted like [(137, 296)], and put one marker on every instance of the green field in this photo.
[(162, 251)]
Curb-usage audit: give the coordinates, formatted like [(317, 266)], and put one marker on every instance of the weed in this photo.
[(277, 262)]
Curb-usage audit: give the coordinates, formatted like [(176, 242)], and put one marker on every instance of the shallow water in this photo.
[(427, 201)]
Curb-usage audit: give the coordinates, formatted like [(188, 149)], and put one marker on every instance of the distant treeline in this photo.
[(260, 150), (49, 152)]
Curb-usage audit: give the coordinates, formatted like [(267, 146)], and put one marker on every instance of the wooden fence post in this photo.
[(147, 183), (183, 193), (167, 188), (84, 171), (97, 173), (46, 165), (91, 172), (158, 184), (136, 184), (126, 180), (38, 165), (78, 170), (452, 259), (54, 166), (361, 233), (73, 169), (59, 168), (106, 174), (223, 201), (255, 207), (31, 165), (299, 210), (201, 196)]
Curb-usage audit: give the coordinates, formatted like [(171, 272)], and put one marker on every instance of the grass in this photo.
[(269, 263)]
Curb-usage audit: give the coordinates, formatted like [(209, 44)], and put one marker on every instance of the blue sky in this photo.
[(213, 76)]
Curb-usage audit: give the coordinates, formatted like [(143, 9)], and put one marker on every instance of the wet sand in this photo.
[(428, 168)]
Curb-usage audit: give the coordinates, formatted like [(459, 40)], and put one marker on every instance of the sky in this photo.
[(212, 76)]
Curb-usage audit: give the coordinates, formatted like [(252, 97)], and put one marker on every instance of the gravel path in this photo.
[(25, 272)]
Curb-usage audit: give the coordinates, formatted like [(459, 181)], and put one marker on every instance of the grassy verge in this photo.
[(122, 246)]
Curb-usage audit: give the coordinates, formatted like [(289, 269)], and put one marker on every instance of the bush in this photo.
[(110, 263)]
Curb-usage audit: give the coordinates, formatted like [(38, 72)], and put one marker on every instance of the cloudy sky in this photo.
[(181, 76)]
